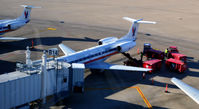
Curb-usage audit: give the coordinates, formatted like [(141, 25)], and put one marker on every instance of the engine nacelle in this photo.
[(126, 46), (15, 26), (107, 40)]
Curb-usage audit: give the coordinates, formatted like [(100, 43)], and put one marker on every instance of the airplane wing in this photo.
[(66, 49), (12, 38), (5, 20), (103, 65), (190, 91)]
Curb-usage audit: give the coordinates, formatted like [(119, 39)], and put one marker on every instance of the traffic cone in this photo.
[(143, 76), (32, 44), (138, 51), (166, 89), (152, 82)]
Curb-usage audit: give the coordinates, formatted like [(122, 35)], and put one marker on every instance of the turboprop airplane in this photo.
[(93, 58), (190, 91), (8, 25)]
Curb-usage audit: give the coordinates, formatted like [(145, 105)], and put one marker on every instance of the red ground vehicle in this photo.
[(149, 52), (154, 64), (176, 61), (179, 56), (176, 65), (173, 49)]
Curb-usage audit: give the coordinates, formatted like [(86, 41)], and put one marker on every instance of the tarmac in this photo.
[(80, 24)]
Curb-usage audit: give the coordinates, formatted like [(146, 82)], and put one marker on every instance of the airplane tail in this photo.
[(131, 35), (26, 13)]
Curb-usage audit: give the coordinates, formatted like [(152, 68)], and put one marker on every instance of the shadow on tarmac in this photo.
[(48, 41), (4, 66), (106, 83), (99, 103)]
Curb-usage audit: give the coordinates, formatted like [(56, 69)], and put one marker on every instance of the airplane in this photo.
[(190, 91), (8, 25), (93, 58)]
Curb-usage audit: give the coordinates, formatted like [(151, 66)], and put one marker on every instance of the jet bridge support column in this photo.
[(28, 60), (43, 78)]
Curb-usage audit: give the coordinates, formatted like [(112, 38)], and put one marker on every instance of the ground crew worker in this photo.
[(166, 52), (141, 55)]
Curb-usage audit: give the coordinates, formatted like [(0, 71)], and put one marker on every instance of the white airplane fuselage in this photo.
[(98, 53), (11, 25)]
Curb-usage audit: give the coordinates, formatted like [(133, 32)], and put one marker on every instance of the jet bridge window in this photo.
[(64, 80)]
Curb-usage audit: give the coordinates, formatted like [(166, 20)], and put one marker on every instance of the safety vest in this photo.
[(166, 51)]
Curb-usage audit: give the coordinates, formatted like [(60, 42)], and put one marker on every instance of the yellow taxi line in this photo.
[(143, 97), (137, 88), (52, 29)]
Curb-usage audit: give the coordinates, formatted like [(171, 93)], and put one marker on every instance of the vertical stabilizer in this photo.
[(132, 34), (26, 13)]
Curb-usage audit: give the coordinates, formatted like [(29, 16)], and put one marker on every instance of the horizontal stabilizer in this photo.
[(138, 21), (103, 65), (66, 49), (12, 38), (29, 6), (190, 91)]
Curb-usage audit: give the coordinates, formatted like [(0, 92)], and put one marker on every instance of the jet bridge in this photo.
[(36, 80)]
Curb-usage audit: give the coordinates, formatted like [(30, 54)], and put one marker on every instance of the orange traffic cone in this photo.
[(32, 44), (166, 89), (138, 51)]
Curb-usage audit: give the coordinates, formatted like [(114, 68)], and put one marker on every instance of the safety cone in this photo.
[(138, 51), (143, 75), (166, 89), (152, 82), (32, 44)]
